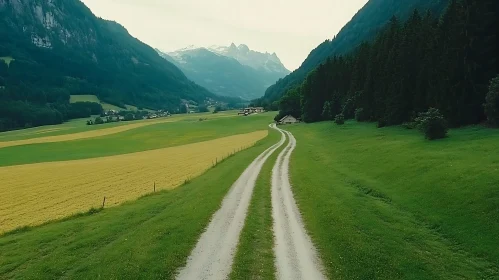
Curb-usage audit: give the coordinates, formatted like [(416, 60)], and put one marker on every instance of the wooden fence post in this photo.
[(154, 186), (104, 202)]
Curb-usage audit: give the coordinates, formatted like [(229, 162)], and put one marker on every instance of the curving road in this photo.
[(296, 256), (213, 255)]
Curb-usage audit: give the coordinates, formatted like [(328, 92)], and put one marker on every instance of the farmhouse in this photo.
[(288, 120)]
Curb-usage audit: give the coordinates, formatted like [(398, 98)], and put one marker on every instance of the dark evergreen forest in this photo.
[(426, 62), (363, 27)]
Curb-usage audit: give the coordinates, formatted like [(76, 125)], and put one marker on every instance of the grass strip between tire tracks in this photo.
[(255, 257)]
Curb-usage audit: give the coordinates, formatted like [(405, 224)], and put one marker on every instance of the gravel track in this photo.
[(296, 256), (214, 253)]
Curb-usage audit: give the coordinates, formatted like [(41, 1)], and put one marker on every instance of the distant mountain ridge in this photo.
[(229, 71), (257, 60), (363, 26)]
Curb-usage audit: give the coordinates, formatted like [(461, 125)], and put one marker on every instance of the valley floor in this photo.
[(372, 204)]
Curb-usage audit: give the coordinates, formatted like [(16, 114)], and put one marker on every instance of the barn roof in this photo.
[(286, 117)]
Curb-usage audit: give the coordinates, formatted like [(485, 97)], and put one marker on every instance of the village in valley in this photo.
[(111, 116)]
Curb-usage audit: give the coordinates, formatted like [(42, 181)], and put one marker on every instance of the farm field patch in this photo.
[(95, 99), (156, 136), (35, 193), (81, 135), (79, 125)]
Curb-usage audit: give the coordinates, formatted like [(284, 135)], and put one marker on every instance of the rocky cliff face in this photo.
[(48, 23), (61, 44)]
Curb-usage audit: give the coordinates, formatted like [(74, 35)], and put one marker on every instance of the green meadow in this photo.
[(387, 204), (80, 125), (156, 136)]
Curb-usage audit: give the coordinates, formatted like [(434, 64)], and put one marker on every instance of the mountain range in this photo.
[(363, 27), (57, 48), (234, 71)]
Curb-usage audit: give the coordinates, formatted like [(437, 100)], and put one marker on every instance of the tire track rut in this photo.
[(214, 253), (296, 256)]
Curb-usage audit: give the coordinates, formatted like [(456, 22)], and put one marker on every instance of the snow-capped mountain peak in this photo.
[(257, 60)]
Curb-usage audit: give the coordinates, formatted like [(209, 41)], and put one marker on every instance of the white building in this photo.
[(288, 120)]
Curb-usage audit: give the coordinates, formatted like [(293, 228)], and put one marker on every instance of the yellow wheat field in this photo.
[(35, 193)]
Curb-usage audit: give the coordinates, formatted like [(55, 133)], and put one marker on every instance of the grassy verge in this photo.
[(136, 140), (386, 204), (255, 256), (145, 239)]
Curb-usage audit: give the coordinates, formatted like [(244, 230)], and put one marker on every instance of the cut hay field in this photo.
[(387, 204), (35, 193)]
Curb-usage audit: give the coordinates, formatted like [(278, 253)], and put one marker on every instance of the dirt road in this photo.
[(213, 255), (296, 257)]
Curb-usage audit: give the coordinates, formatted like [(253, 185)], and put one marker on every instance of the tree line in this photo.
[(426, 62)]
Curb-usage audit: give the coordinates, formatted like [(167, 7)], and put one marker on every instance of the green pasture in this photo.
[(80, 125), (387, 204)]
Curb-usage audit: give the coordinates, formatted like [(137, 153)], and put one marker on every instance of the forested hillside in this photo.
[(426, 62), (55, 48), (363, 27)]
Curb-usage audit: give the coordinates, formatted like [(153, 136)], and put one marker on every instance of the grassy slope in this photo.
[(255, 257), (105, 106), (93, 98), (135, 140), (386, 204), (146, 239), (7, 59)]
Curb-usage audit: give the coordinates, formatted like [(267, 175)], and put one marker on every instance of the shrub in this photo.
[(98, 120), (432, 124), (409, 125), (339, 119), (492, 102), (361, 115), (129, 117)]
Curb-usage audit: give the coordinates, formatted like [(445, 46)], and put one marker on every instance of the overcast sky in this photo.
[(290, 28)]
